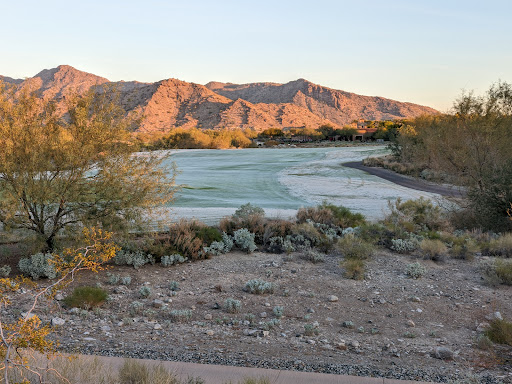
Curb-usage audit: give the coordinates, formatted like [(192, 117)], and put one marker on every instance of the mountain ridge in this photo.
[(172, 103)]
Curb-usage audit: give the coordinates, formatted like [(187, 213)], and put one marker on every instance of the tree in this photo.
[(22, 339), (70, 164)]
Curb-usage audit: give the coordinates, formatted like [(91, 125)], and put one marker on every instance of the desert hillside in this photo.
[(174, 103)]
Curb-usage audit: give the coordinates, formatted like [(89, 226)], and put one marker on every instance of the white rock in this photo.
[(208, 316), (209, 332), (411, 323), (263, 315), (57, 321), (105, 328), (59, 297), (443, 353), (332, 298), (157, 326)]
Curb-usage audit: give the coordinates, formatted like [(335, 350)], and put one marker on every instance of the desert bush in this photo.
[(244, 240), (415, 270), (37, 266), (278, 311), (258, 287), (313, 256), (500, 331), (135, 308), (279, 245), (184, 239), (126, 280), (330, 214), (247, 216), (180, 315), (377, 234), (355, 248), (311, 330), (137, 259), (501, 246), (276, 228), (174, 286), (404, 245), (113, 279), (353, 268), (86, 297), (416, 215), (169, 260), (232, 306), (433, 249), (144, 291), (134, 372), (5, 271), (462, 247), (306, 233)]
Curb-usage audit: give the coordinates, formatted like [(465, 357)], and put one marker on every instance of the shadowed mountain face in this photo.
[(174, 103)]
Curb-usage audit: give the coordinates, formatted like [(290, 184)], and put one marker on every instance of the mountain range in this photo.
[(174, 103)]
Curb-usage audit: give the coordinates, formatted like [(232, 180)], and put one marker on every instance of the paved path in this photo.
[(220, 374), (405, 181)]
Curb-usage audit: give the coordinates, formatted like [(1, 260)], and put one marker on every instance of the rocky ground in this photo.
[(386, 325)]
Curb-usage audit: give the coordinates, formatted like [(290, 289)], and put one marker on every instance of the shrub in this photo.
[(247, 210), (180, 315), (258, 287), (86, 297), (404, 245), (278, 311), (500, 331), (276, 228), (433, 249), (502, 246), (183, 238), (144, 291), (244, 240), (134, 372), (307, 233), (174, 286), (463, 247), (135, 308), (5, 271), (126, 280), (313, 256), (232, 305), (504, 271), (113, 279), (355, 248), (279, 245), (208, 234), (38, 266), (137, 259), (174, 259), (415, 270), (311, 330), (353, 268), (377, 234), (344, 217), (416, 215)]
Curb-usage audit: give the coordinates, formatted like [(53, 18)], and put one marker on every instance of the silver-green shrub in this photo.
[(404, 245), (313, 256), (180, 315), (5, 270), (137, 259), (232, 306), (278, 311), (113, 279), (144, 291), (415, 270), (244, 240), (37, 266), (258, 287), (126, 280), (135, 308), (169, 260)]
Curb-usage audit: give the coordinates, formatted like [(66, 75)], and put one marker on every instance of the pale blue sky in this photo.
[(420, 51)]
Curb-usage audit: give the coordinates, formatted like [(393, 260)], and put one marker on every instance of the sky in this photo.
[(425, 52)]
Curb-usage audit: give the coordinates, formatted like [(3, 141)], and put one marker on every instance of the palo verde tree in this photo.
[(72, 163)]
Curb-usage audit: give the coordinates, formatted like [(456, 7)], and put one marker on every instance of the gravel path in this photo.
[(404, 181)]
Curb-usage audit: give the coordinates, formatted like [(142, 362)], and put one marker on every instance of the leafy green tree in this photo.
[(72, 164)]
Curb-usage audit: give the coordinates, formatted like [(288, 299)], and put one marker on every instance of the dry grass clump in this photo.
[(433, 249), (332, 215), (500, 331), (352, 247), (134, 372), (502, 246), (353, 269), (86, 297)]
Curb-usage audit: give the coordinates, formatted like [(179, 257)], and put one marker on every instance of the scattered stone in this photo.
[(59, 297), (267, 304), (263, 315), (494, 316), (360, 329), (355, 344), (341, 346), (105, 328), (311, 310), (57, 321), (209, 332), (443, 353), (208, 316), (411, 323), (158, 303), (312, 342), (89, 339), (256, 333), (27, 316), (482, 327), (332, 298)]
